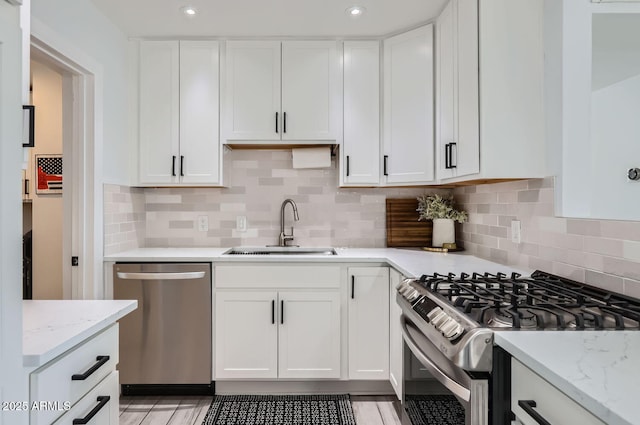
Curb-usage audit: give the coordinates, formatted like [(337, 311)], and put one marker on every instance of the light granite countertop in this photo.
[(409, 262), (49, 328), (597, 369)]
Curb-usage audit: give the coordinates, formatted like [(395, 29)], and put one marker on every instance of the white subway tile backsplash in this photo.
[(603, 252)]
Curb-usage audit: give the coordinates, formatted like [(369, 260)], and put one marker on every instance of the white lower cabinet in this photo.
[(309, 334), (369, 323), (277, 321), (396, 372), (531, 392), (69, 386), (271, 334), (246, 334)]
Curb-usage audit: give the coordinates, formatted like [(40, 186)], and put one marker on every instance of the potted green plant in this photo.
[(440, 209)]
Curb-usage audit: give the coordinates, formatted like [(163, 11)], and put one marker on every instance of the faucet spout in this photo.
[(284, 238)]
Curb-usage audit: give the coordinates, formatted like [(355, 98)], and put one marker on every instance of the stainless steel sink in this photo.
[(280, 250)]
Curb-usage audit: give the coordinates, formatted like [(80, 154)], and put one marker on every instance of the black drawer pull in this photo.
[(173, 166), (384, 165), (282, 312), (527, 406), (102, 401), (100, 360), (181, 165), (284, 122), (276, 122), (347, 165)]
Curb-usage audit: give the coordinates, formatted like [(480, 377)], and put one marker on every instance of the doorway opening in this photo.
[(82, 189)]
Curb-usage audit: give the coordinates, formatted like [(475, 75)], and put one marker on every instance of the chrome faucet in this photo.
[(284, 238)]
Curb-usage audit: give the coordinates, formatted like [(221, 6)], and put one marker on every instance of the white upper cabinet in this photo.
[(360, 163), (282, 91), (159, 111), (490, 90), (252, 90), (457, 116), (199, 112), (409, 108), (178, 109)]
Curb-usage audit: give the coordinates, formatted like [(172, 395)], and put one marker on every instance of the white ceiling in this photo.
[(163, 18)]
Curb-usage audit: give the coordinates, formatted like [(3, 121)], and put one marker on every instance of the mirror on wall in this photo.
[(615, 115), (592, 95)]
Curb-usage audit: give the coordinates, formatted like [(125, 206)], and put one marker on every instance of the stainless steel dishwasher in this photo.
[(165, 345)]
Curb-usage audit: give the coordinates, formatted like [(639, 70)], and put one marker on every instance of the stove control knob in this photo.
[(440, 319), (411, 296), (434, 313), (451, 329), (447, 325)]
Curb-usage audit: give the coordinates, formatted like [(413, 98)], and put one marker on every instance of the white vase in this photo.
[(444, 231)]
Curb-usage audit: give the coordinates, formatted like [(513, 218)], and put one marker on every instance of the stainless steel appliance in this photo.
[(448, 323), (165, 345)]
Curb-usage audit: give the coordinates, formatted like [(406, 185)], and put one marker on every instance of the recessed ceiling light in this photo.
[(189, 11), (355, 11)]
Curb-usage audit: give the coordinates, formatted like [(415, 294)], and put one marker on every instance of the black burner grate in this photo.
[(541, 301)]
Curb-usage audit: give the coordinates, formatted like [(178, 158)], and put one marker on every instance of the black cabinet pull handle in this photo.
[(276, 122), (273, 312), (100, 360), (102, 401), (384, 165), (173, 166), (353, 286), (451, 146), (181, 165), (347, 165), (527, 406), (281, 312), (446, 156), (26, 186), (284, 122)]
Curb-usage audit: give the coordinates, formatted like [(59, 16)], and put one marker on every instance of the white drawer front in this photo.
[(53, 382), (551, 403), (277, 275), (96, 399)]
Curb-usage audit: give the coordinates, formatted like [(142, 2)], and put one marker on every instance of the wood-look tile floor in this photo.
[(368, 410)]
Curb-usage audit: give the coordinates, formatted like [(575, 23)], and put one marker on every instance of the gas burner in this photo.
[(503, 318)]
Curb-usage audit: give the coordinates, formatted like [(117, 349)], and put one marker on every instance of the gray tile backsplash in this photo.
[(124, 215)]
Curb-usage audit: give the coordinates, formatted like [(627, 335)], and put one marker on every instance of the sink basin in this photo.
[(280, 250)]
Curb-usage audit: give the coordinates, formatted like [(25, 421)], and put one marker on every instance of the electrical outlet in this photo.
[(203, 223), (516, 234), (241, 223)]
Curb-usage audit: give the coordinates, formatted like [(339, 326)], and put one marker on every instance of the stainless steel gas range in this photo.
[(453, 373)]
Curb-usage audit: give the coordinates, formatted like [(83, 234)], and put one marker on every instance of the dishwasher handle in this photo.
[(160, 276)]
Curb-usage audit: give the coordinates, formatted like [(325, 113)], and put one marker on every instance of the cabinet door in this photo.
[(309, 339), (199, 97), (361, 144), (311, 90), (395, 336), (446, 88), (252, 91), (369, 323), (458, 131), (246, 335), (159, 111), (408, 107), (466, 153)]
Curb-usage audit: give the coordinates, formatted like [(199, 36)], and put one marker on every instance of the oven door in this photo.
[(437, 391)]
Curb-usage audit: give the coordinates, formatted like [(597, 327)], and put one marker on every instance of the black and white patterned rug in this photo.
[(280, 410), (434, 410)]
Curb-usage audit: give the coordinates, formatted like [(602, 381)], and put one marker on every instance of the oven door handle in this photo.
[(453, 386)]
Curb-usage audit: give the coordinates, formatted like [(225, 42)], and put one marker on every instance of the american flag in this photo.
[(50, 173)]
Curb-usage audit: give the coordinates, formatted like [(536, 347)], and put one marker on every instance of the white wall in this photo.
[(95, 36), (13, 382), (47, 209)]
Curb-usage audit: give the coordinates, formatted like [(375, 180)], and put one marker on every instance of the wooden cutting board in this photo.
[(403, 227)]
